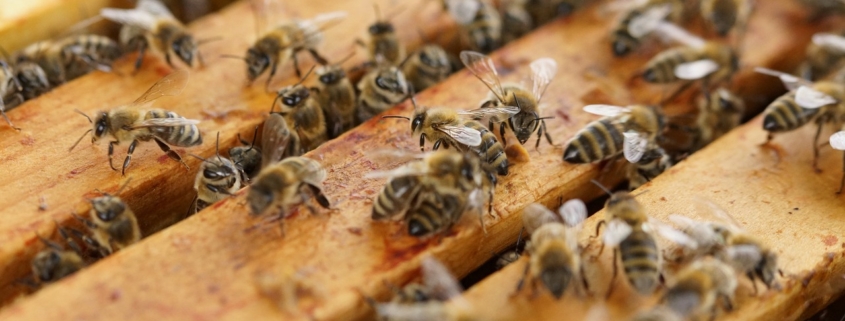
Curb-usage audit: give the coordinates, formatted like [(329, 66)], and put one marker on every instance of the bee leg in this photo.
[(584, 281), (521, 282), (192, 208), (727, 302), (320, 59), (502, 134), (3, 112), (166, 149), (612, 278), (437, 144), (140, 58), (753, 279), (320, 197), (111, 154), (128, 156), (273, 68), (167, 58), (296, 65), (422, 142), (816, 146), (85, 221)]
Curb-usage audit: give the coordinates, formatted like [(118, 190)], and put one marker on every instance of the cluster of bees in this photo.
[(432, 192)]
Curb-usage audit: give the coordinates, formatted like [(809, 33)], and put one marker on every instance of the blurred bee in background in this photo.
[(32, 79), (154, 21), (10, 88), (247, 158), (445, 126), (337, 97), (726, 15), (516, 22), (710, 62), (427, 66), (72, 56), (284, 42), (379, 89), (384, 42), (695, 293), (824, 55), (432, 194), (639, 21), (654, 162), (438, 279), (55, 262), (510, 256), (479, 21), (821, 8), (626, 130), (132, 123), (543, 11), (718, 113), (555, 256), (820, 102), (527, 120), (837, 141), (628, 232), (112, 224), (217, 178), (303, 113), (293, 180)]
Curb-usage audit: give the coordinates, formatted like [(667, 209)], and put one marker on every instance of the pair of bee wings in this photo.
[(443, 286), (668, 31), (275, 10), (275, 138), (634, 144), (837, 140), (480, 65), (805, 95), (692, 233), (572, 214), (463, 11), (170, 85), (830, 41), (144, 15)]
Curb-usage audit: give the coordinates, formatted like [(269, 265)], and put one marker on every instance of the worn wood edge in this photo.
[(161, 190), (349, 298), (814, 271)]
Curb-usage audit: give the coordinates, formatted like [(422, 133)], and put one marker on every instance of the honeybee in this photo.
[(555, 254), (438, 279), (247, 158), (131, 123), (654, 162), (724, 15), (824, 54), (639, 21), (427, 66), (10, 88), (337, 97), (71, 57), (303, 113), (516, 22), (112, 224), (217, 178), (54, 262), (32, 79), (626, 130), (527, 120), (444, 126), (380, 89), (708, 61), (717, 114), (430, 195), (820, 101), (294, 180), (285, 41), (837, 141), (479, 21), (696, 291), (629, 233), (821, 8), (725, 240), (543, 11), (384, 42), (155, 22)]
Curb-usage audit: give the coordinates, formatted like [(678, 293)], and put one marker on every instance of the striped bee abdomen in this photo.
[(183, 136), (640, 259), (395, 197), (600, 140), (490, 150), (784, 114), (435, 212)]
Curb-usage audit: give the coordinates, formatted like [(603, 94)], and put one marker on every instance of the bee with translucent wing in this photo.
[(132, 123), (837, 141), (555, 256), (55, 262), (292, 181), (640, 20), (527, 120), (820, 101), (154, 21), (627, 130), (302, 112), (479, 21), (824, 54)]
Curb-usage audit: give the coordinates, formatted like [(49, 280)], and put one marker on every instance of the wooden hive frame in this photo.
[(204, 267)]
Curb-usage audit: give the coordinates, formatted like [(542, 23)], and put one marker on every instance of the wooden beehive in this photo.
[(205, 267)]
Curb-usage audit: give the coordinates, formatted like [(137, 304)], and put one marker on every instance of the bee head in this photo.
[(256, 63), (432, 57), (331, 75), (380, 28), (185, 47), (107, 207), (419, 119), (101, 125), (219, 168), (45, 264), (293, 96), (393, 80)]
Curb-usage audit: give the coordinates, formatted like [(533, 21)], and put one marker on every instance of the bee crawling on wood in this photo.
[(112, 224), (640, 20), (479, 21), (217, 178), (55, 262), (292, 181), (132, 123), (622, 130)]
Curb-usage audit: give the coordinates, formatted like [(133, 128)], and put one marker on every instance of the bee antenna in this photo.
[(352, 54), (233, 57), (306, 75), (99, 191), (519, 238), (407, 58), (217, 148), (207, 40), (80, 139), (254, 136), (83, 114), (396, 116), (601, 186), (197, 157)]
